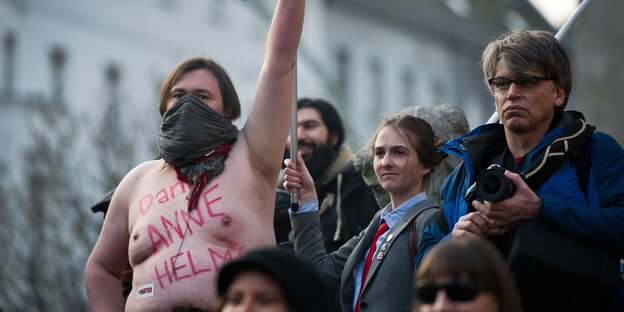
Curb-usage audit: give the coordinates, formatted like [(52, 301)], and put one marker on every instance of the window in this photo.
[(217, 13), (58, 61), (407, 83), (377, 104), (167, 5), (113, 75), (342, 62), (8, 64)]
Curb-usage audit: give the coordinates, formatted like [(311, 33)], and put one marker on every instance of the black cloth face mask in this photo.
[(196, 140)]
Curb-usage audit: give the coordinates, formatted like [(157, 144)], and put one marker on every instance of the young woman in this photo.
[(467, 275), (375, 269)]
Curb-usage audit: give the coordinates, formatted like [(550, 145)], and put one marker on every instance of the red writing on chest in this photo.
[(184, 265), (172, 229), (163, 196)]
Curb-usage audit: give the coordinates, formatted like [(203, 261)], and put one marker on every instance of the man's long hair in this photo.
[(231, 103)]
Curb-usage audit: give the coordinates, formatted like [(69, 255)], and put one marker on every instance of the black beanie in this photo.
[(305, 289)]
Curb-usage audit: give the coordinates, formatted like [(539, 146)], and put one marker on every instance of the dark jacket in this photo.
[(354, 210)]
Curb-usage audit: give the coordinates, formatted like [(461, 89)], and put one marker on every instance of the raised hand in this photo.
[(299, 179)]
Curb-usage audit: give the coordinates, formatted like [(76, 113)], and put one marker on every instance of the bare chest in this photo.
[(175, 251), (160, 220)]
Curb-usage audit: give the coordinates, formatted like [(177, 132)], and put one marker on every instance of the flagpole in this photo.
[(294, 146)]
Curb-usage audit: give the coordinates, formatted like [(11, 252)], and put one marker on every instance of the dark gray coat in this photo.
[(389, 284)]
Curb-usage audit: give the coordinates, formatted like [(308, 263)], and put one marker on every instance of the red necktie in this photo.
[(383, 227)]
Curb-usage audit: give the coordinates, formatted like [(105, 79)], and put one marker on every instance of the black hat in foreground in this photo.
[(304, 288)]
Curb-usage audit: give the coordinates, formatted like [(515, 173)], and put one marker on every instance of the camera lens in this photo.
[(492, 185)]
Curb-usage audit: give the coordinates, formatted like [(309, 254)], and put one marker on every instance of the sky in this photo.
[(556, 12)]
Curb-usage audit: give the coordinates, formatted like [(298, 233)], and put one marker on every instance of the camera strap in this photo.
[(574, 143)]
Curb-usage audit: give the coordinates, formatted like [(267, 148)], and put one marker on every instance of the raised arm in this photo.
[(308, 239), (270, 117)]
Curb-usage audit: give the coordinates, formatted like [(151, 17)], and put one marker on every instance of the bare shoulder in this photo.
[(253, 163), (139, 173), (147, 167)]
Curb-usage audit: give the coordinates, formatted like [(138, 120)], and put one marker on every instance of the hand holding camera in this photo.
[(489, 193)]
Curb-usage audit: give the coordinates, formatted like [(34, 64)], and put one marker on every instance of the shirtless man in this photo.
[(175, 254)]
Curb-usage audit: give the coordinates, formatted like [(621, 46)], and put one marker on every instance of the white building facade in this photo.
[(79, 86)]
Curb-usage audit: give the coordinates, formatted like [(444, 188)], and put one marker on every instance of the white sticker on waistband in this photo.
[(145, 291)]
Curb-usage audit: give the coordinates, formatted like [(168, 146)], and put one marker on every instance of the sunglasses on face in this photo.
[(457, 290)]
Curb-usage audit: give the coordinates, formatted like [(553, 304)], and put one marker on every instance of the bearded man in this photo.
[(347, 204)]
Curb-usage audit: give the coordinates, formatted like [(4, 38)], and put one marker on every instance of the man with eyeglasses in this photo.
[(563, 174)]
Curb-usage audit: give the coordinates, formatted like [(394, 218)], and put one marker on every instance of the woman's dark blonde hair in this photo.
[(476, 259), (419, 134), (231, 103)]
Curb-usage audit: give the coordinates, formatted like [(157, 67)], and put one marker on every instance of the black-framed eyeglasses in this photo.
[(456, 290), (524, 82)]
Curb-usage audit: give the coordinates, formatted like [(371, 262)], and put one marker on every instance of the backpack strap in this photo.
[(582, 162), (413, 237), (413, 233), (441, 221)]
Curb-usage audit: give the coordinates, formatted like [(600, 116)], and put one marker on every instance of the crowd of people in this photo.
[(532, 219)]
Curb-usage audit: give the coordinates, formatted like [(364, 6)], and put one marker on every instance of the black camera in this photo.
[(491, 185)]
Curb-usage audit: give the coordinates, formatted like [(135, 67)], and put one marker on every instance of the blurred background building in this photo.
[(79, 86)]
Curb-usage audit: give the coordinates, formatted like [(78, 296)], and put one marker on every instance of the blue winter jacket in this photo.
[(597, 216)]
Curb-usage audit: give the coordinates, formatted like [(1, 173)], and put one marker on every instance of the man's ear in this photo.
[(559, 97), (333, 138), (227, 113)]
